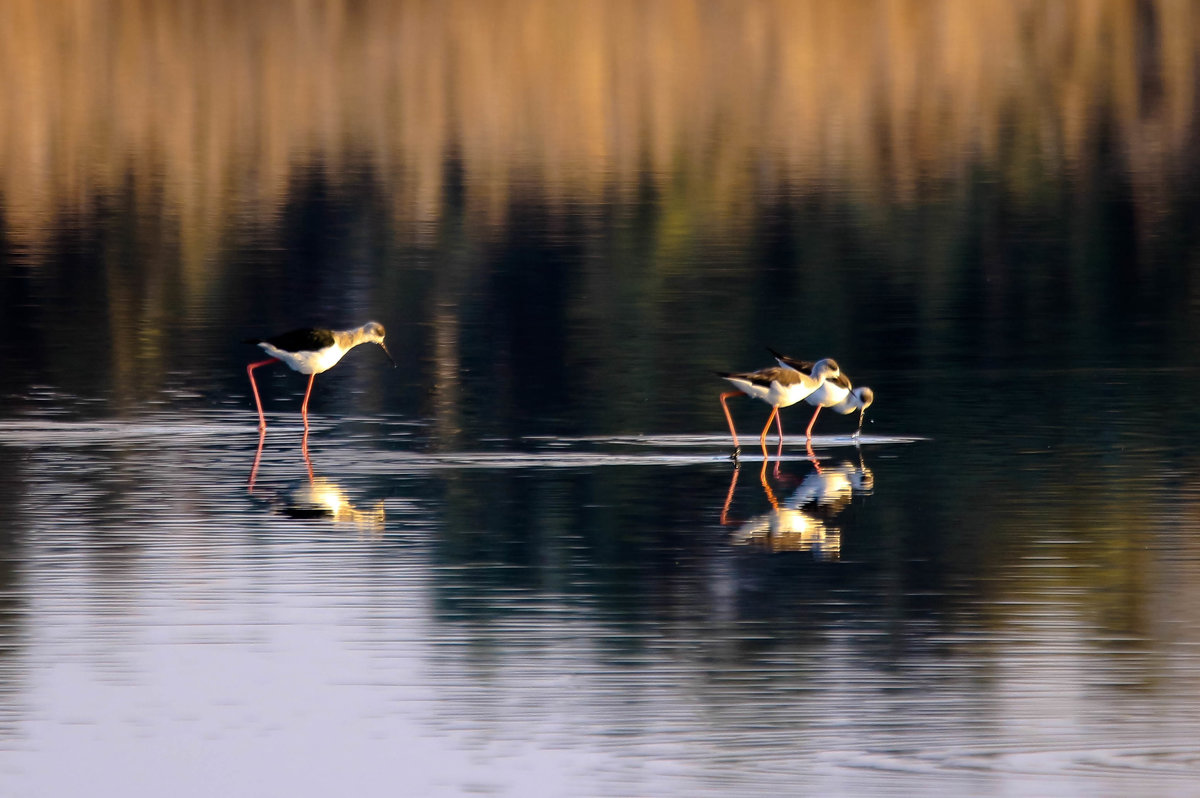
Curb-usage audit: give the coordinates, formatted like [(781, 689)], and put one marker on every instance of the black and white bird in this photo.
[(311, 351), (778, 386), (837, 393)]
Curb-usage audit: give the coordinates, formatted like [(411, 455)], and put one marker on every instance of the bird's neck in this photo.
[(348, 339)]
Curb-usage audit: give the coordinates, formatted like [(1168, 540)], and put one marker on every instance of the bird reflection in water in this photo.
[(318, 498), (803, 521)]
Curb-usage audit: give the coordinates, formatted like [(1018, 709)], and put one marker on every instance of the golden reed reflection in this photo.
[(204, 108)]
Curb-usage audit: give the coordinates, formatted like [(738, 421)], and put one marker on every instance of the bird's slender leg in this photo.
[(262, 420), (304, 451), (808, 432), (779, 451), (304, 407), (762, 439), (262, 437), (737, 448)]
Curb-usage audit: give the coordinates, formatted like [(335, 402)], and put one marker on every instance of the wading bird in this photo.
[(312, 351), (778, 386), (837, 393)]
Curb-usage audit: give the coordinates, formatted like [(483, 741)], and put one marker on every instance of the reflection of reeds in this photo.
[(207, 107)]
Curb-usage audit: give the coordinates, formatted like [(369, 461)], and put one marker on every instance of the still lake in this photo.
[(522, 562)]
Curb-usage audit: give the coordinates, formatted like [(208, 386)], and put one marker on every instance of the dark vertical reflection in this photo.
[(1149, 59), (454, 265)]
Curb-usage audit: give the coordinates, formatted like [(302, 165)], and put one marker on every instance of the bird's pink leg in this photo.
[(307, 459), (262, 437), (304, 407), (262, 420), (762, 438), (808, 432), (779, 451), (736, 446)]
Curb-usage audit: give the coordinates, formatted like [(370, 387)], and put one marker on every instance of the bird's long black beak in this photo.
[(862, 414), (386, 352)]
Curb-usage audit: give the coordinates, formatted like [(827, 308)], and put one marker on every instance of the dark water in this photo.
[(522, 563)]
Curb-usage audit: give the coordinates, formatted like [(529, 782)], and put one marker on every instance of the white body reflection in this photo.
[(322, 498), (787, 529), (318, 497), (802, 522)]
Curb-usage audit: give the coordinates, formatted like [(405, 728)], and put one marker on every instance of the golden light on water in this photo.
[(203, 106)]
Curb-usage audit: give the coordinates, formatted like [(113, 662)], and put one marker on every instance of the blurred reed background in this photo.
[(208, 110), (175, 148)]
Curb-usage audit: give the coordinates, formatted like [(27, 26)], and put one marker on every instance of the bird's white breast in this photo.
[(827, 395)]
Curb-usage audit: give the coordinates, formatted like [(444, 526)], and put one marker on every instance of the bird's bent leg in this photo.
[(262, 420), (737, 448), (779, 451), (762, 439)]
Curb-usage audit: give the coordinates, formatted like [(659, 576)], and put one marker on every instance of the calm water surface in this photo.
[(522, 563)]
